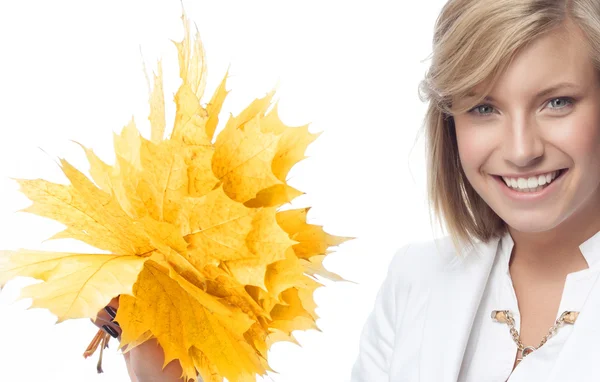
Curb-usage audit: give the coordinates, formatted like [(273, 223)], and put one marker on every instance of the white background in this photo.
[(72, 70)]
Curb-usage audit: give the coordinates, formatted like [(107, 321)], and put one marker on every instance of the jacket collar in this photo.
[(589, 248)]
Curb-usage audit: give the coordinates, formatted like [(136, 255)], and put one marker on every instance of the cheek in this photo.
[(475, 145), (580, 138)]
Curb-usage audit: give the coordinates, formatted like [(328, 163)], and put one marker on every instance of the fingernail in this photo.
[(111, 311), (110, 331), (116, 323)]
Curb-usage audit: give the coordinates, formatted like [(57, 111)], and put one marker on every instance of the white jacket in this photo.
[(424, 310)]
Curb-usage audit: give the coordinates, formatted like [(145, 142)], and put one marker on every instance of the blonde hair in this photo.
[(474, 42)]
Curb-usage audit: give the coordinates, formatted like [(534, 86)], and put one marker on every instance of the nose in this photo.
[(523, 146)]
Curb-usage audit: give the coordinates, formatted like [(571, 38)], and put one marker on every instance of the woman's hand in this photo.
[(144, 362)]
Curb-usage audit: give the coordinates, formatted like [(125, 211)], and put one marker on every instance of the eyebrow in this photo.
[(552, 89)]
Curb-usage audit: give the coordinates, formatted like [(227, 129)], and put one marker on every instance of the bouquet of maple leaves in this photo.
[(200, 254)]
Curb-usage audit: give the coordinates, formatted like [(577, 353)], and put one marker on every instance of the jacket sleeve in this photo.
[(377, 336)]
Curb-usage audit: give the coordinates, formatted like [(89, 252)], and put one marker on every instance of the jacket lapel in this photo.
[(454, 301)]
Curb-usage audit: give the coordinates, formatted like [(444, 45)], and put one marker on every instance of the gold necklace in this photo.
[(506, 317)]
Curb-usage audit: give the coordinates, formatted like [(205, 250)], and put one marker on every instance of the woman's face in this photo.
[(542, 116)]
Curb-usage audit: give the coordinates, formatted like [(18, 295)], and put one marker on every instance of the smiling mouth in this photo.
[(531, 184)]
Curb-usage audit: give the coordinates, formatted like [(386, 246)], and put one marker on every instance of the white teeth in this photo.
[(530, 184)]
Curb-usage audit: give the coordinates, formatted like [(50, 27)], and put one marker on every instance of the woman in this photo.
[(513, 130)]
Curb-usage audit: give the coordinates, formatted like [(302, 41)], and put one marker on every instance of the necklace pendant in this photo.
[(528, 350), (500, 316), (570, 317)]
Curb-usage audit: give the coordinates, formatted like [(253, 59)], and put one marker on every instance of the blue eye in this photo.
[(483, 109), (561, 104)]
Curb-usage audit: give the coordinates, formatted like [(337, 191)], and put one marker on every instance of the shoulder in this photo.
[(423, 260)]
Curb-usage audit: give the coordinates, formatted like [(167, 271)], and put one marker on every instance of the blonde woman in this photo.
[(513, 137)]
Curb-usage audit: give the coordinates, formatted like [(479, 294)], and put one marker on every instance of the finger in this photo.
[(109, 311), (103, 321), (112, 312), (100, 322), (104, 316), (109, 327), (111, 330), (114, 303), (107, 321)]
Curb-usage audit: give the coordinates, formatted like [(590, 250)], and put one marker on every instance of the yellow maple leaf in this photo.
[(85, 281), (200, 252), (313, 240), (243, 157)]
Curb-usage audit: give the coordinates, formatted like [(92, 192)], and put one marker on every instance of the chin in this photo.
[(532, 222)]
